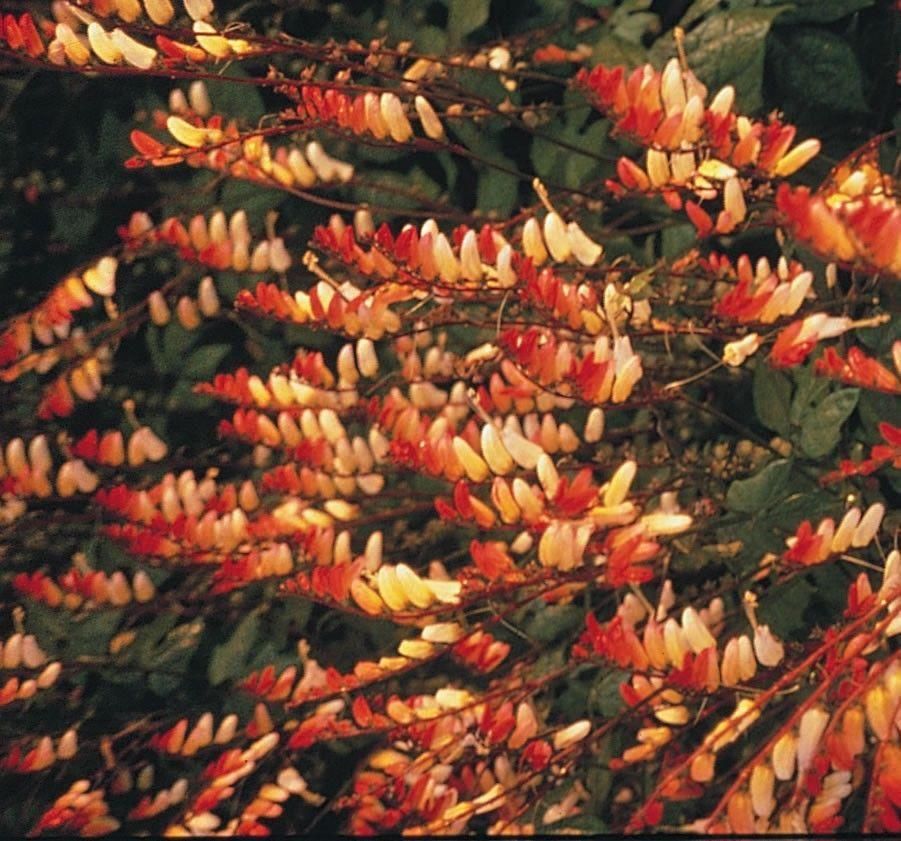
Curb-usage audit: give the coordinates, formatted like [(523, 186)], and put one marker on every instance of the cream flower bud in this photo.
[(474, 465), (392, 111), (571, 735), (102, 45), (199, 9), (810, 732), (158, 308), (506, 276), (470, 260), (801, 155), (159, 11), (555, 237), (533, 242), (301, 170), (443, 632), (658, 167), (208, 298), (734, 200), (431, 124), (584, 249), (618, 487), (868, 526), (721, 104), (415, 589), (136, 54), (696, 633), (767, 647), (199, 98), (101, 277), (494, 452), (735, 353), (68, 744)]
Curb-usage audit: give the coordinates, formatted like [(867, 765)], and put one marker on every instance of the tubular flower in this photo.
[(762, 295), (858, 369), (880, 455), (208, 143), (667, 113), (796, 342), (855, 221)]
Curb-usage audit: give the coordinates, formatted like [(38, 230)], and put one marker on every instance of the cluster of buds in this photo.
[(205, 143), (861, 370), (86, 587), (854, 220), (267, 803), (666, 110), (426, 255), (179, 741), (51, 320), (83, 381), (446, 785), (598, 373), (159, 12), (762, 295), (394, 589), (691, 144), (78, 37), (351, 310), (149, 807), (189, 311), (820, 751), (22, 651), (219, 243), (80, 811), (382, 115), (888, 452), (27, 471), (223, 774), (796, 341), (42, 755), (808, 547)]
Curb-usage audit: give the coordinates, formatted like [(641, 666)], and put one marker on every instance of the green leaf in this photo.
[(727, 48), (823, 11), (176, 343), (783, 608), (236, 99), (821, 427), (810, 390), (465, 16), (554, 621), (228, 659), (605, 697), (204, 361), (761, 490), (497, 191), (819, 75), (772, 396)]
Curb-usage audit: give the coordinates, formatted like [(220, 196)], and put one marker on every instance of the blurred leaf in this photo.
[(605, 697), (772, 396), (204, 361), (761, 490), (818, 74), (551, 622), (465, 16), (821, 426), (821, 11), (228, 659), (782, 608), (176, 343), (810, 390)]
